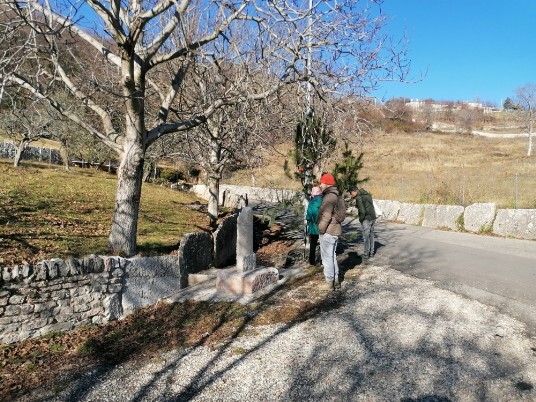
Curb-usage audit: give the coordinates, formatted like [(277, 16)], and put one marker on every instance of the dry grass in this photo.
[(432, 167), (271, 174), (47, 212), (451, 168)]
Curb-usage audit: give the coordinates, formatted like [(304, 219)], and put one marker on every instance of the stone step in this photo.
[(202, 276)]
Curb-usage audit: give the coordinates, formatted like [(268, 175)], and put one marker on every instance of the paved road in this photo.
[(497, 271)]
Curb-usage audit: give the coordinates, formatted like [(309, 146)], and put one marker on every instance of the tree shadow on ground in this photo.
[(229, 322), (384, 363)]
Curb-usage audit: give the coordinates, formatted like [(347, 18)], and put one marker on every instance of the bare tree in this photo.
[(526, 96), (468, 117), (127, 80), (24, 125), (428, 115), (232, 134)]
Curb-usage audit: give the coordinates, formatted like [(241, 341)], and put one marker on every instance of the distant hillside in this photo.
[(430, 167)]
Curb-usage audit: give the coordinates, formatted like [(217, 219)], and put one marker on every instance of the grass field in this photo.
[(47, 212), (432, 167)]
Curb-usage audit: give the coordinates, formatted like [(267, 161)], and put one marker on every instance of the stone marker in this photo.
[(245, 257), (225, 242), (245, 278)]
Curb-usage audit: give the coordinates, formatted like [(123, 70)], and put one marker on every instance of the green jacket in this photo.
[(365, 207), (312, 214)]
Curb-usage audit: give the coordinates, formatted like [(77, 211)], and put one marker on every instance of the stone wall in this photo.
[(519, 223), (443, 216), (59, 295), (479, 217), (233, 196), (9, 149), (476, 218)]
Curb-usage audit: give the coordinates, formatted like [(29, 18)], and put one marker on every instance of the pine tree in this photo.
[(346, 172), (313, 141), (508, 104)]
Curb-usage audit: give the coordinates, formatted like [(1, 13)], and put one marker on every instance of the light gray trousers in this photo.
[(368, 236), (328, 245)]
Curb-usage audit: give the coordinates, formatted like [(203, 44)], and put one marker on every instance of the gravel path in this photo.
[(393, 338)]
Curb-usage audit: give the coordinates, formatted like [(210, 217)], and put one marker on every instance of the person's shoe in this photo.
[(326, 286), (336, 284)]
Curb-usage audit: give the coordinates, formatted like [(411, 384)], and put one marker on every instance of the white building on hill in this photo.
[(417, 104)]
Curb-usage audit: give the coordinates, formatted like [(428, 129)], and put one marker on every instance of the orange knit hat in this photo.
[(327, 179)]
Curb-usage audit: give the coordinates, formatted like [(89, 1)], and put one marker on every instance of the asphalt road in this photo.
[(496, 271)]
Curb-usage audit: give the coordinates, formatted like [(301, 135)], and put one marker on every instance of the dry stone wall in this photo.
[(59, 295)]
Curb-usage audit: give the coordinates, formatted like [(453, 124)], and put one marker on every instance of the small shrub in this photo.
[(52, 335), (172, 175), (460, 222), (239, 351), (486, 229), (57, 348), (88, 347), (194, 172)]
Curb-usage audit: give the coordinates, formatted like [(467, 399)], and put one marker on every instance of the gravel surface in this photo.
[(393, 338)]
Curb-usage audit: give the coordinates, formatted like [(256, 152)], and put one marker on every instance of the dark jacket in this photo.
[(365, 207), (327, 223), (312, 214)]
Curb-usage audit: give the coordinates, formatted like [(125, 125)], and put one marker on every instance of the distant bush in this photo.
[(172, 175), (396, 117), (194, 172)]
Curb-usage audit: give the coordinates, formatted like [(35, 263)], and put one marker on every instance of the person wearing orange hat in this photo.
[(330, 216)]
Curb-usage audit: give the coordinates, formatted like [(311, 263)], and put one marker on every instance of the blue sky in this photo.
[(469, 49)]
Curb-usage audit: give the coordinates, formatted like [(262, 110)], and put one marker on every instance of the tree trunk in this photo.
[(147, 170), (214, 174), (122, 239), (64, 156), (529, 151), (20, 151), (213, 198)]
